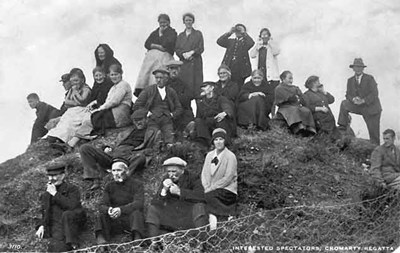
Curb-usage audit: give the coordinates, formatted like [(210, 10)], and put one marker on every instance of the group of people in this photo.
[(165, 89)]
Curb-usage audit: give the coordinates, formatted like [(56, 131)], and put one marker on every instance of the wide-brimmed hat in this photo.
[(173, 63), (175, 161), (55, 169), (358, 62), (162, 69)]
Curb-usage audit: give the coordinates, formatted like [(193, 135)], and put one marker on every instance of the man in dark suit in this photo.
[(62, 212), (362, 98)]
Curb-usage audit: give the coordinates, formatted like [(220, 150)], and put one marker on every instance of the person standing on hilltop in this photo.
[(44, 113), (362, 98), (104, 56)]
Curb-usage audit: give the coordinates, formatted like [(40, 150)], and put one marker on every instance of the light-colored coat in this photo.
[(225, 174), (273, 51)]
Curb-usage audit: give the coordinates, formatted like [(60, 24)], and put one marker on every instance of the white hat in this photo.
[(175, 161)]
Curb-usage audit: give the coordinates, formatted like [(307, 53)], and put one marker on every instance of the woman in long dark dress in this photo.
[(255, 102), (288, 98), (225, 86), (105, 57), (160, 45), (189, 47), (318, 100)]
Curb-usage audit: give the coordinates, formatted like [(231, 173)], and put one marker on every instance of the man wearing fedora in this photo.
[(184, 94), (179, 203), (361, 98), (122, 205), (162, 105), (62, 212)]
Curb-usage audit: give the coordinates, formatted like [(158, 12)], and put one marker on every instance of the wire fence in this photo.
[(368, 226)]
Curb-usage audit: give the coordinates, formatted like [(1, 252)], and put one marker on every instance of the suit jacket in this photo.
[(147, 96), (385, 163), (368, 90), (238, 49)]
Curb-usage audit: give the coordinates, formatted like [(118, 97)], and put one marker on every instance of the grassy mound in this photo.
[(276, 170)]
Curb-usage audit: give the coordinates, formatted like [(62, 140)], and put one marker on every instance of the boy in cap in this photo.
[(95, 161), (361, 98), (62, 212), (162, 105), (122, 205), (66, 83), (184, 94), (179, 203), (44, 113)]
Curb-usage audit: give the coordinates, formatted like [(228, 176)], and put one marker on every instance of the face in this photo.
[(33, 102), (140, 123), (207, 89), (56, 179), (288, 79), (358, 70), (67, 85), (219, 143), (163, 23), (115, 77), (257, 79), (388, 140), (99, 77), (223, 75), (119, 173), (265, 36), (174, 172), (173, 72), (188, 21), (316, 85), (75, 80), (161, 79), (101, 53)]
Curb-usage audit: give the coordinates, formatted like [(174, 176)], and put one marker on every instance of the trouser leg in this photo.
[(345, 108), (92, 158), (373, 125), (136, 221), (57, 241), (102, 225), (199, 215), (72, 221), (137, 164), (38, 131), (153, 221), (167, 129)]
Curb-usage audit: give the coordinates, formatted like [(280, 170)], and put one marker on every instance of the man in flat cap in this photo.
[(96, 161), (179, 203), (62, 212), (122, 206), (184, 94), (362, 98), (213, 111), (66, 83), (162, 105)]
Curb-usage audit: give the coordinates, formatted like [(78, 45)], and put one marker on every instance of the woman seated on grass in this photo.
[(288, 98)]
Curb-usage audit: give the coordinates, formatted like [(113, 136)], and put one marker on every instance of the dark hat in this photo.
[(218, 132), (65, 78), (120, 160), (175, 161), (139, 114), (358, 62), (161, 69), (55, 169), (208, 83), (174, 63)]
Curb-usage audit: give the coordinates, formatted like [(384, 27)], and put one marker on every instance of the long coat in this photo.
[(192, 68), (368, 90), (323, 121)]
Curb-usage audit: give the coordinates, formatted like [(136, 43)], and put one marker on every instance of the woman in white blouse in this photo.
[(219, 179)]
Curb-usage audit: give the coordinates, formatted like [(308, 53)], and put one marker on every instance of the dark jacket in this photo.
[(167, 40), (100, 91), (239, 50), (109, 60), (323, 121), (182, 90), (67, 198), (367, 90), (147, 96), (210, 107), (230, 91)]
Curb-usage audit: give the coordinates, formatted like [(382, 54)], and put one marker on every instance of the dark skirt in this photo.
[(254, 111), (297, 114), (221, 202), (102, 120)]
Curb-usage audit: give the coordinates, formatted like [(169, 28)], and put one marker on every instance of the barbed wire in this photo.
[(369, 223)]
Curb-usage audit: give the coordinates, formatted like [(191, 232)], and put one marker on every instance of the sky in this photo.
[(42, 39)]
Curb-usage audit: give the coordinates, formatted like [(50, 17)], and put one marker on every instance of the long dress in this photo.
[(288, 99), (256, 109), (192, 68), (155, 58)]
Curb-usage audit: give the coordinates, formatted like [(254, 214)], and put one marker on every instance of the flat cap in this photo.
[(161, 69), (173, 63), (208, 83), (139, 114), (55, 169), (175, 161), (65, 78)]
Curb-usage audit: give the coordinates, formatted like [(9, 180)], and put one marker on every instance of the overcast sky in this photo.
[(42, 39)]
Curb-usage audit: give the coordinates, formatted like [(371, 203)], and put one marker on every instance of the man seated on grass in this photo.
[(179, 203)]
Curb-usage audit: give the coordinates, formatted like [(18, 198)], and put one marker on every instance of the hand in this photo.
[(357, 100), (115, 212), (233, 29), (172, 115), (51, 188), (220, 116), (75, 87), (174, 189), (95, 110), (167, 183), (40, 232), (259, 93), (149, 113)]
